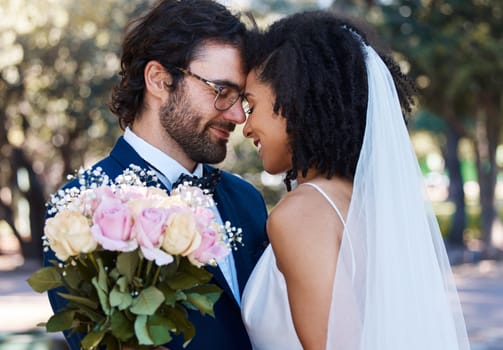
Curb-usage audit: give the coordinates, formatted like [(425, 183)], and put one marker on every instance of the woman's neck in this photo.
[(311, 175)]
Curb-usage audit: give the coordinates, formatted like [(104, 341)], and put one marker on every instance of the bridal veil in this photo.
[(393, 287)]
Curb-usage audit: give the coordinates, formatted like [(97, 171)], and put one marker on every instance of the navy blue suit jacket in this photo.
[(242, 205)]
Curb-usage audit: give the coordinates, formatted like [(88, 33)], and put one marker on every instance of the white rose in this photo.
[(69, 234), (181, 236)]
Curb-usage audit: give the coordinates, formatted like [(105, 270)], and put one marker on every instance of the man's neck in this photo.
[(160, 139)]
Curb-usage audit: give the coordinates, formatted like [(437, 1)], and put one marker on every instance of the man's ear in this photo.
[(157, 79)]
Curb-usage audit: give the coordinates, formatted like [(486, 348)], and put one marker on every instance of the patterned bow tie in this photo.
[(207, 182)]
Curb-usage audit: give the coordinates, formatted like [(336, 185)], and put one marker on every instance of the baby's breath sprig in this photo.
[(93, 178), (194, 196), (234, 235), (135, 175)]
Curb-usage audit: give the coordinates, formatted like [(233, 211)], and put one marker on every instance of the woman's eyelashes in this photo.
[(248, 108)]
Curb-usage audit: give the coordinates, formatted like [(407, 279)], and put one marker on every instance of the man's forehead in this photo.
[(219, 61)]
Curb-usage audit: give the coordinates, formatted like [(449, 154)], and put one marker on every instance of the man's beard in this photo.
[(183, 124)]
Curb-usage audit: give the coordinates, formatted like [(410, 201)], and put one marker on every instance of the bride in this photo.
[(356, 259)]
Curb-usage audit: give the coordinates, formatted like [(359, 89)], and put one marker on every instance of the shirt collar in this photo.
[(166, 165)]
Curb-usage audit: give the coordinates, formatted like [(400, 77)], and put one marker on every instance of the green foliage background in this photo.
[(59, 60)]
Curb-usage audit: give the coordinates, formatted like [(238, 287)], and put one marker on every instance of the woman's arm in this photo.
[(305, 235)]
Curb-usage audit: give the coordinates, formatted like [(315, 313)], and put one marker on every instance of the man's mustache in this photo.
[(227, 126)]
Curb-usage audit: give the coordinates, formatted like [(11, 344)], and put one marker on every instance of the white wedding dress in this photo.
[(264, 304), (393, 287)]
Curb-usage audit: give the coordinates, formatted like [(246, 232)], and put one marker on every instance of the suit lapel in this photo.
[(215, 270), (125, 155), (227, 213)]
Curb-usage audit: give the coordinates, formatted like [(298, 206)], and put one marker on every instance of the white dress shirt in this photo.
[(168, 170)]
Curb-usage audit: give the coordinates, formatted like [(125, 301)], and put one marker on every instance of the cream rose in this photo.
[(69, 234), (180, 234), (171, 201)]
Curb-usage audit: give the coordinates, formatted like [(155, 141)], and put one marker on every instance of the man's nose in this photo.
[(235, 114)]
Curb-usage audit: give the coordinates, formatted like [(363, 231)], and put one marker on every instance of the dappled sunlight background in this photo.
[(59, 60)]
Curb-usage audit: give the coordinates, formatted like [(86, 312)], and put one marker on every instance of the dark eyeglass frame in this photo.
[(217, 88)]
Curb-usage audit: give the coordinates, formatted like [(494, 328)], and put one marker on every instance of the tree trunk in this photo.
[(456, 191), (487, 133), (34, 195)]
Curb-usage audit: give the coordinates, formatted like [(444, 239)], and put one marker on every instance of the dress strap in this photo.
[(318, 188)]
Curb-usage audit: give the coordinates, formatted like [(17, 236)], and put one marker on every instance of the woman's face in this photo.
[(268, 130)]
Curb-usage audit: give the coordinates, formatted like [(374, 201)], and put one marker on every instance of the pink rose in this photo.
[(204, 217), (212, 248), (89, 200), (149, 231), (127, 193), (113, 226)]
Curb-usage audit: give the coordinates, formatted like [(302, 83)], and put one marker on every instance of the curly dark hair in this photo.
[(315, 65), (171, 33)]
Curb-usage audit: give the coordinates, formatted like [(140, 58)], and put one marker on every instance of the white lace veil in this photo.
[(393, 288)]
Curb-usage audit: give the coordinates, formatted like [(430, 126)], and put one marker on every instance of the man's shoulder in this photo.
[(107, 165), (233, 180)]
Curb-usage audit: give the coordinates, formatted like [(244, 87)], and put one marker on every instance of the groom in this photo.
[(179, 98)]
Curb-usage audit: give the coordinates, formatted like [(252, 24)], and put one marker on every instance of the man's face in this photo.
[(189, 115)]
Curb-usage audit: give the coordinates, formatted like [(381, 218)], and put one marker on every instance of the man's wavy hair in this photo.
[(172, 33), (314, 63)]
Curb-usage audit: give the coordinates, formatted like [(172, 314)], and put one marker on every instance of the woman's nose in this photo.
[(247, 130)]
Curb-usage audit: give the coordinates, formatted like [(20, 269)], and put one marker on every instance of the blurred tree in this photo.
[(455, 51), (58, 63), (281, 7)]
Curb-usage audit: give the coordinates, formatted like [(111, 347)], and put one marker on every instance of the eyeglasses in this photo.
[(226, 95)]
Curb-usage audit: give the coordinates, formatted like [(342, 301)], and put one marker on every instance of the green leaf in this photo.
[(72, 277), (111, 343), (79, 300), (44, 279), (114, 274), (169, 294), (137, 283), (102, 276), (91, 314), (127, 263), (122, 283), (169, 270), (148, 301), (119, 296), (122, 327), (212, 291), (159, 329), (180, 317), (203, 303), (92, 340), (120, 299), (197, 272), (182, 280), (60, 321), (141, 331), (102, 296)]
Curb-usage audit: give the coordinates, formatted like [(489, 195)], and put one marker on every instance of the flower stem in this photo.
[(139, 268), (93, 261), (156, 275), (149, 267)]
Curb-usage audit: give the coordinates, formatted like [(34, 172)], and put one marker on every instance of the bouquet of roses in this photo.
[(130, 258)]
